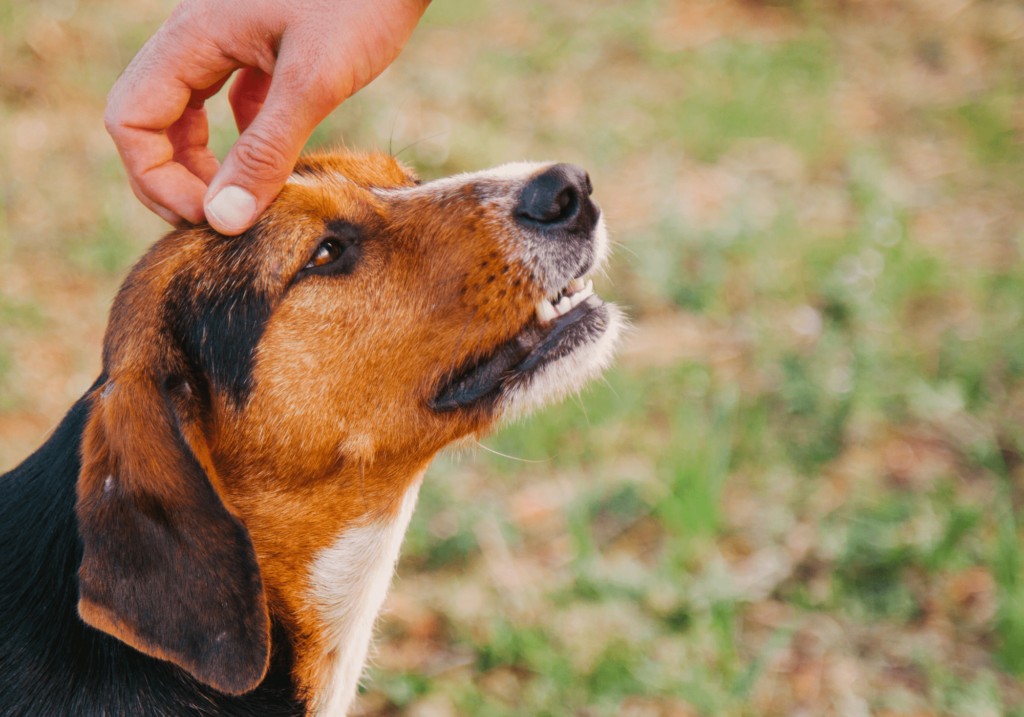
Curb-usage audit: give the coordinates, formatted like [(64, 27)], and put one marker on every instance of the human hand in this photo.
[(297, 61)]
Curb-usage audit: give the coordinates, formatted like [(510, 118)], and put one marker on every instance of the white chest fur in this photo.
[(350, 580)]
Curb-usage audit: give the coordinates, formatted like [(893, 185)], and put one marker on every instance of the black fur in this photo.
[(54, 665), (217, 316), (180, 574)]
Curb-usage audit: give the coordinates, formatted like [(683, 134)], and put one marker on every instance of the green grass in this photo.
[(16, 316), (7, 397), (738, 91), (989, 127), (824, 199)]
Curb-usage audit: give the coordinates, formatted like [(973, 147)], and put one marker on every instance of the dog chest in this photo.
[(350, 580)]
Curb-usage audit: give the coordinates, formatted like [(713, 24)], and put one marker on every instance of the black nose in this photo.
[(558, 197)]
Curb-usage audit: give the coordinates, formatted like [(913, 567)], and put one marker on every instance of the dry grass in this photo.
[(800, 492)]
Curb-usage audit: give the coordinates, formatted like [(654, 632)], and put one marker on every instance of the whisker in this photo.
[(362, 488), (578, 400), (443, 301), (394, 121), (424, 139), (450, 296), (522, 460), (434, 286), (480, 343), (616, 393), (619, 245)]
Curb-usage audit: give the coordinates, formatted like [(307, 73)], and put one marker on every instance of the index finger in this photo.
[(147, 99)]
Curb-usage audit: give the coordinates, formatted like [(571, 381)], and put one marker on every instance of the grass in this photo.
[(738, 91), (800, 492)]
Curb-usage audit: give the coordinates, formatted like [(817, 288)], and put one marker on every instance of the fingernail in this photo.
[(232, 208)]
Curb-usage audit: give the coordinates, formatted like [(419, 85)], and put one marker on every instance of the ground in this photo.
[(800, 490)]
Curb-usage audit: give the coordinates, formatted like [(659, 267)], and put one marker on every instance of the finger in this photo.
[(148, 156), (150, 97), (261, 160), (163, 212), (189, 137), (199, 97), (152, 168), (247, 94)]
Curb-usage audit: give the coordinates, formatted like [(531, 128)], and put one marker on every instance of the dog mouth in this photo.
[(563, 324)]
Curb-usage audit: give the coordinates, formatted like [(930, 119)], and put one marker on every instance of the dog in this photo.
[(213, 527)]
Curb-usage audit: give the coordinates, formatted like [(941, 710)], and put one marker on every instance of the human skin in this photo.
[(294, 62)]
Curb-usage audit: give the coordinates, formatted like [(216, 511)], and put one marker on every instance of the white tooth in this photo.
[(590, 286), (545, 311), (579, 297), (564, 305), (576, 285)]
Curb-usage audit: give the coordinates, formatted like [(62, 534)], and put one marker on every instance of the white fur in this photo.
[(602, 245), (350, 580), (568, 374), (511, 170)]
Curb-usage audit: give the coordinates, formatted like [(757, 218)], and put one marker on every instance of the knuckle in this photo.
[(110, 123), (323, 91), (333, 94), (112, 113), (261, 160)]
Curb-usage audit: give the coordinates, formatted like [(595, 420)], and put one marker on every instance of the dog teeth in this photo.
[(545, 311), (576, 285), (580, 296), (548, 310)]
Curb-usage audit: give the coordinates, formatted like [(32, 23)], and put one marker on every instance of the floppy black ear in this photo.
[(166, 568)]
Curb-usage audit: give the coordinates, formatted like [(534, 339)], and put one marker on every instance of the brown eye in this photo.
[(327, 252), (337, 254)]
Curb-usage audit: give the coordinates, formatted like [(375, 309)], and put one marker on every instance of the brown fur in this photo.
[(328, 424)]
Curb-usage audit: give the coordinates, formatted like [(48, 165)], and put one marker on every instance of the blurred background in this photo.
[(800, 490)]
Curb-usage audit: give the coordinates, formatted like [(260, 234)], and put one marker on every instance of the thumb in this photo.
[(264, 155)]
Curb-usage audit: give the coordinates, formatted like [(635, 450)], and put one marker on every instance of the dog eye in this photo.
[(335, 255), (338, 253), (327, 252)]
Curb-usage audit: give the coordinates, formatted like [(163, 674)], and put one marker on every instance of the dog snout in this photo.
[(558, 200)]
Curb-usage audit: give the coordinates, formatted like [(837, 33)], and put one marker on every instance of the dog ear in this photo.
[(167, 568)]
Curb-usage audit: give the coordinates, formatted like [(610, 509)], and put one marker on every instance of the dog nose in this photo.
[(558, 197)]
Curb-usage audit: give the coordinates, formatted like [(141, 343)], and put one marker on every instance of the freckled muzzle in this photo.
[(564, 227), (557, 214)]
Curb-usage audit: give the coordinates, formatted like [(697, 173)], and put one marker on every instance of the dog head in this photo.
[(261, 390)]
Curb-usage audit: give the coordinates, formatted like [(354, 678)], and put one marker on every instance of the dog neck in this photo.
[(327, 564), (349, 581)]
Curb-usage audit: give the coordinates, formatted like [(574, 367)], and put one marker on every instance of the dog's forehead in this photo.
[(368, 170)]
